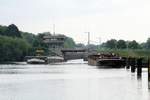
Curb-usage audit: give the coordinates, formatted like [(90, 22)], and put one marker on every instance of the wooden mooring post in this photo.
[(132, 63), (139, 67), (149, 73), (127, 63)]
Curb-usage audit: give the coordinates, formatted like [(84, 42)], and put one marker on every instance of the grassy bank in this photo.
[(127, 53)]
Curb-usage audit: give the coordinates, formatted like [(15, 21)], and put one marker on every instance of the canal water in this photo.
[(73, 80)]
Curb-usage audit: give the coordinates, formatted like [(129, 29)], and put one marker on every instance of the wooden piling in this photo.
[(149, 73), (132, 62), (139, 67), (127, 63)]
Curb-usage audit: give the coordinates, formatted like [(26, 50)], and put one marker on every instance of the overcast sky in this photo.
[(105, 19)]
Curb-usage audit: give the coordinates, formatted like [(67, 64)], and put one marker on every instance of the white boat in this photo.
[(36, 61), (55, 59)]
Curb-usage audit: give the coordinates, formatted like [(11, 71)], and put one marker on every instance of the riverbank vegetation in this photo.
[(127, 53), (126, 48), (15, 44), (13, 49)]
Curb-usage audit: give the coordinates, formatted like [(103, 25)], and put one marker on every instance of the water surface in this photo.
[(73, 80)]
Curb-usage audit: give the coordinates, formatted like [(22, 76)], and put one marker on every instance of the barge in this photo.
[(106, 60)]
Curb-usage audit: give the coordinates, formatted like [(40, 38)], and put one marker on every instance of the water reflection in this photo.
[(74, 80)]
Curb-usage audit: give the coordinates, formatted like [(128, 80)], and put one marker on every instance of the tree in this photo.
[(111, 44), (69, 43), (133, 45), (80, 45), (121, 44), (143, 45), (148, 43), (13, 31), (13, 49), (2, 30), (29, 37)]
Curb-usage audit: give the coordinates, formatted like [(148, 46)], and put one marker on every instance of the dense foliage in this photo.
[(111, 43), (69, 43), (122, 44), (11, 31), (15, 45), (36, 42), (12, 49), (12, 46), (126, 48)]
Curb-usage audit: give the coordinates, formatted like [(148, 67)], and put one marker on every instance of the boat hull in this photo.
[(36, 61), (111, 63)]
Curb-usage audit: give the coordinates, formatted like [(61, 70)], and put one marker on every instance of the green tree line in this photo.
[(15, 44), (13, 49), (12, 45), (122, 44)]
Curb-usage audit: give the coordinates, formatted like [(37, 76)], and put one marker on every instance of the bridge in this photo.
[(70, 54)]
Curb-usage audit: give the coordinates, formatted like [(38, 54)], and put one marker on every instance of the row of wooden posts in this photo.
[(138, 63)]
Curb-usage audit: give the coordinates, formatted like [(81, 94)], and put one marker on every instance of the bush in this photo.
[(13, 49)]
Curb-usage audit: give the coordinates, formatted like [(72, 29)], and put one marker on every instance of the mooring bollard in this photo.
[(132, 61), (139, 67), (127, 63), (149, 73)]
